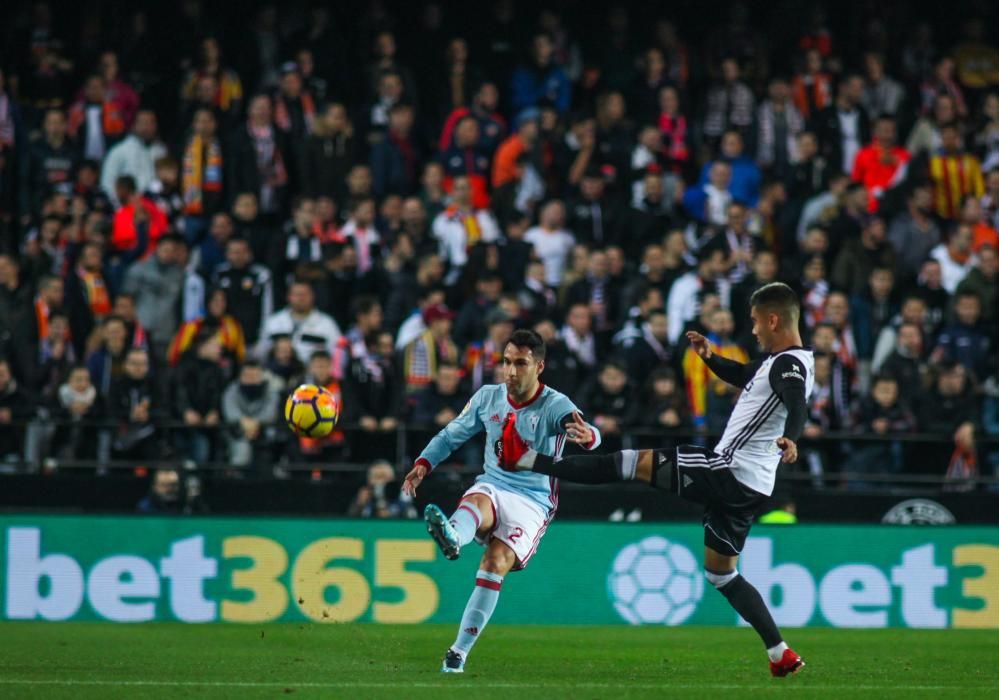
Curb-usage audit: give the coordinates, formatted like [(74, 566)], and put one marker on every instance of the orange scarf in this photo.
[(283, 119), (96, 292), (112, 118), (200, 173)]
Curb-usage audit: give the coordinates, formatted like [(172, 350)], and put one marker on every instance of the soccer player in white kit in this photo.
[(506, 512), (734, 479)]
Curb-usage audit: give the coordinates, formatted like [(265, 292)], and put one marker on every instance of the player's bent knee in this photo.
[(498, 559), (497, 564), (720, 579)]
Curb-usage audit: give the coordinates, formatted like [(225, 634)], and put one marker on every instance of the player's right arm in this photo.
[(729, 371), (452, 436)]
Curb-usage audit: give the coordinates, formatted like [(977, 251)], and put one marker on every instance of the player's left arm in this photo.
[(787, 378), (579, 432)]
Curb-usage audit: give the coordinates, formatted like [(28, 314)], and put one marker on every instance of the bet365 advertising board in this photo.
[(132, 569)]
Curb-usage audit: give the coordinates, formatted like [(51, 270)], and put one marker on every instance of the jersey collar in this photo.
[(518, 406)]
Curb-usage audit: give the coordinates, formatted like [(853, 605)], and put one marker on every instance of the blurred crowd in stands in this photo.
[(200, 210)]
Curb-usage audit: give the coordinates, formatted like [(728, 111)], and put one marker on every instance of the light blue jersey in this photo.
[(539, 422)]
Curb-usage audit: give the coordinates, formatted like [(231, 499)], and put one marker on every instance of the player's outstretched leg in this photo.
[(746, 600), (653, 467), (451, 534), (496, 562)]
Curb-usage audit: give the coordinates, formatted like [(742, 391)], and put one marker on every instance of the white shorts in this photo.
[(517, 522)]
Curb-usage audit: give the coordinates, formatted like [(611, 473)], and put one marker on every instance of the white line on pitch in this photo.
[(450, 683)]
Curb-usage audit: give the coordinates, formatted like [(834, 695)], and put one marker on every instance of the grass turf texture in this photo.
[(99, 660)]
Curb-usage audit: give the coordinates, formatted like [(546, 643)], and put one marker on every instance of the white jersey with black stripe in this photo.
[(749, 444)]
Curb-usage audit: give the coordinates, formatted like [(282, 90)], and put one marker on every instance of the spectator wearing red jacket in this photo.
[(138, 222), (881, 164)]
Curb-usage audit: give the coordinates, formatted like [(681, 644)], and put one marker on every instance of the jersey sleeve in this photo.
[(787, 378), (731, 372), (465, 426)]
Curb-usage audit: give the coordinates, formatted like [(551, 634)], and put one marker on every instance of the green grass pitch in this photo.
[(100, 660)]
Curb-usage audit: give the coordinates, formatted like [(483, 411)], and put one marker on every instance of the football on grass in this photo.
[(311, 411)]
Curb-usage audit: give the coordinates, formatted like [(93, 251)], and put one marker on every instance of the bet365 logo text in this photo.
[(128, 588), (654, 581)]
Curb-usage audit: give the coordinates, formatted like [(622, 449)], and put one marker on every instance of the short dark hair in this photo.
[(320, 355), (126, 182), (525, 338), (780, 299), (364, 304), (884, 378)]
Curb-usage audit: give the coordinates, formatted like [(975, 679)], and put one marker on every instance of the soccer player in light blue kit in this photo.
[(505, 511)]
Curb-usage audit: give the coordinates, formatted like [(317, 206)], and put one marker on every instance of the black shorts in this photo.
[(701, 476)]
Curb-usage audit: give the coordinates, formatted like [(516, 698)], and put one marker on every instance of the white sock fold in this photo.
[(479, 609), (628, 464), (777, 652), (466, 521)]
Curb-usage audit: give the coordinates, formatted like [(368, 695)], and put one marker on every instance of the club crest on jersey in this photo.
[(534, 421)]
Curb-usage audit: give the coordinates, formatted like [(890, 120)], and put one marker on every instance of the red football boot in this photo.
[(510, 447), (789, 664)]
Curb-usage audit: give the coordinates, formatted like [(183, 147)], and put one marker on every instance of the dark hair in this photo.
[(525, 338), (166, 162), (48, 279), (361, 201), (126, 182), (715, 245), (320, 355), (489, 276), (299, 200), (663, 373), (884, 378), (364, 304), (615, 364), (780, 299)]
